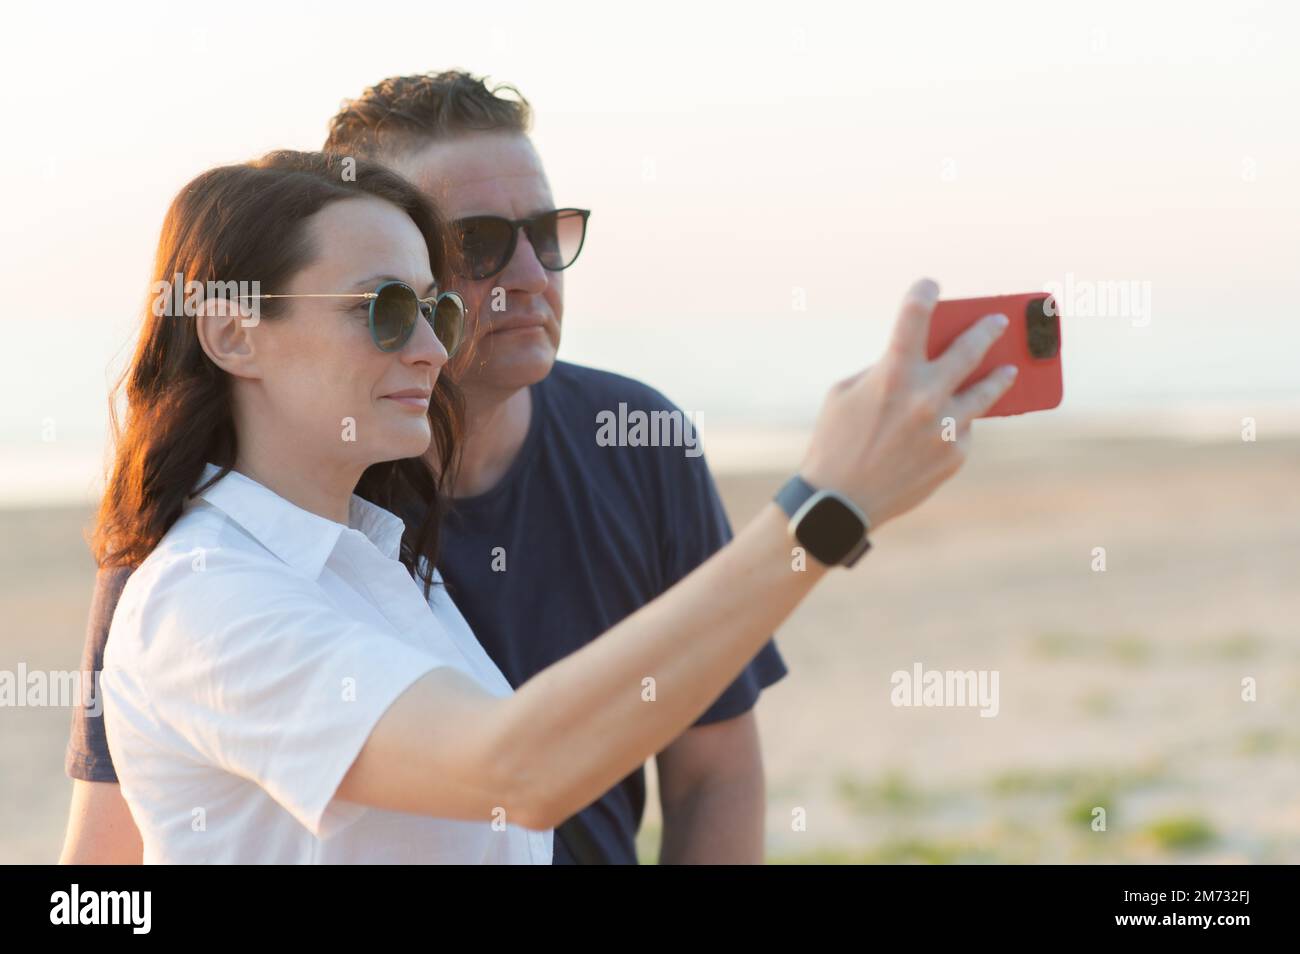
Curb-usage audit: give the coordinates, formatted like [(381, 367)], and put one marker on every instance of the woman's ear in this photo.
[(226, 330)]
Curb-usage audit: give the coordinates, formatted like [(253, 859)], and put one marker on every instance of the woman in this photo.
[(276, 686)]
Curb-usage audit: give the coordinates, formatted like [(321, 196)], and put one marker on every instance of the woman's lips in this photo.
[(413, 398)]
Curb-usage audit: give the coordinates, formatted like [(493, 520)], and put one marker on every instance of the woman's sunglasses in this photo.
[(488, 241), (395, 309)]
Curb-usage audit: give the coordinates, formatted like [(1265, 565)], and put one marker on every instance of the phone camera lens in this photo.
[(1044, 330)]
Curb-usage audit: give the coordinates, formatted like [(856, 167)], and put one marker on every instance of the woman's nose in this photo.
[(424, 346)]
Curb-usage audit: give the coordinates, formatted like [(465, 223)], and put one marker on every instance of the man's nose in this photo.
[(524, 271)]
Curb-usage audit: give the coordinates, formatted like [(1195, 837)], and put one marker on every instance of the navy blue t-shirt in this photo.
[(588, 534)]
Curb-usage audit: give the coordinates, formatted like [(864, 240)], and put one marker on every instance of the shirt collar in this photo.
[(298, 537)]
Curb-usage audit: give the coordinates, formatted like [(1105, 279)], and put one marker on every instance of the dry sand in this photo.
[(1119, 689)]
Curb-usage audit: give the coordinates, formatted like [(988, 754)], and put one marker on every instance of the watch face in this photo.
[(829, 530)]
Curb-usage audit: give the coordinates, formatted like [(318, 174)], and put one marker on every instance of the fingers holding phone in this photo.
[(978, 399), (880, 436), (1031, 342)]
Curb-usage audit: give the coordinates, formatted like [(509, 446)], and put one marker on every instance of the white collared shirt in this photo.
[(249, 658)]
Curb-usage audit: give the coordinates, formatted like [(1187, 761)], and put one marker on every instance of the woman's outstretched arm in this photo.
[(579, 726)]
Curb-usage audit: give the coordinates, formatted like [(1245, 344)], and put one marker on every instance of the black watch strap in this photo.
[(793, 493), (796, 493)]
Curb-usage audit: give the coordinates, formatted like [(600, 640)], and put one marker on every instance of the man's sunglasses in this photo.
[(395, 310), (488, 241)]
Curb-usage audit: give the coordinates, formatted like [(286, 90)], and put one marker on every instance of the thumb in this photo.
[(912, 328)]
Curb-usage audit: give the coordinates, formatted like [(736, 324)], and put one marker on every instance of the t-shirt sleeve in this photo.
[(258, 676), (87, 757), (697, 527)]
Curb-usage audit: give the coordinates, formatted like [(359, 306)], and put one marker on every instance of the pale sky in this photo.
[(737, 162)]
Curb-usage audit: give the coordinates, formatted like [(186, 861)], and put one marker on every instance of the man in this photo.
[(553, 537)]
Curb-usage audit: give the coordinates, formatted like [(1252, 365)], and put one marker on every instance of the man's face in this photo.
[(514, 316)]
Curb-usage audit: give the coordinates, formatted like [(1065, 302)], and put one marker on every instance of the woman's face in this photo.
[(323, 382)]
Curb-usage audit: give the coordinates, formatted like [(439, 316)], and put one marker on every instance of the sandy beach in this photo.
[(1119, 689)]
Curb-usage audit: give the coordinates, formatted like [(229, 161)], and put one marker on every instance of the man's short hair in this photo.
[(402, 113)]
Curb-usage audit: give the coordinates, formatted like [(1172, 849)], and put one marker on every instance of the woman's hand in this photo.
[(574, 729), (879, 438)]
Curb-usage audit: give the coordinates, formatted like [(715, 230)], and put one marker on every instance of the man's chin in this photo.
[(502, 364)]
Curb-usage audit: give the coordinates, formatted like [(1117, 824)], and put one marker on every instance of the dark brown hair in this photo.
[(240, 223), (399, 113)]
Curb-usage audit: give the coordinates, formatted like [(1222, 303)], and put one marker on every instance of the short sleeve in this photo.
[(249, 665), (87, 757), (697, 527)]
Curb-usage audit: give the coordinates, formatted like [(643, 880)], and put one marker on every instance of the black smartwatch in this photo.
[(827, 524)]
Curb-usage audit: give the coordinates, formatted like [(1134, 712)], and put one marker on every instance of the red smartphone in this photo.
[(1032, 342)]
